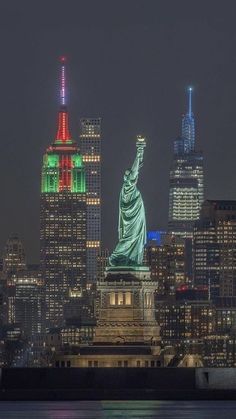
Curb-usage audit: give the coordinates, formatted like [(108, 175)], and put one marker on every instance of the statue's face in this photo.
[(126, 175)]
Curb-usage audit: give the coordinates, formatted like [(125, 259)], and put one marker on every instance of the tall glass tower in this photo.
[(186, 192), (90, 145), (62, 216)]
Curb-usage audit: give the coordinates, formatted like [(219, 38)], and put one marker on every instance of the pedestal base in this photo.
[(126, 308)]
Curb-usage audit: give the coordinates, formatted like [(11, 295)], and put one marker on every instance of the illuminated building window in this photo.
[(91, 159), (120, 298), (128, 298), (148, 300), (94, 244), (93, 201), (90, 134), (112, 298)]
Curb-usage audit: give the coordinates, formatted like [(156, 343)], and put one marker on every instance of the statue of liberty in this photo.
[(132, 222)]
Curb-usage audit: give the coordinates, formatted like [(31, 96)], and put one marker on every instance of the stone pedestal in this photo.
[(126, 313)]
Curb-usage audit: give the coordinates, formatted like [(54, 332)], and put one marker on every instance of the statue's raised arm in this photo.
[(132, 222), (133, 173)]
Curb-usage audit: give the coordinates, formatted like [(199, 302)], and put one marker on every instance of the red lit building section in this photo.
[(65, 172), (63, 135), (64, 145)]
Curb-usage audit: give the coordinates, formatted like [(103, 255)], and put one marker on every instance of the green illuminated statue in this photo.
[(132, 222)]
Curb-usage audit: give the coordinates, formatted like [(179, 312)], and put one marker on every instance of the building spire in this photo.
[(63, 133), (188, 125), (63, 81), (190, 89)]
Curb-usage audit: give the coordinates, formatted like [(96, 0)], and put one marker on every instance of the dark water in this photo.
[(118, 409)]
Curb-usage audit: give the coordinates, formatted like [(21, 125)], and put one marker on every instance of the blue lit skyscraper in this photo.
[(188, 124), (186, 142), (186, 193)]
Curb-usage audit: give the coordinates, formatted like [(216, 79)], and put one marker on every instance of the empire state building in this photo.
[(62, 216)]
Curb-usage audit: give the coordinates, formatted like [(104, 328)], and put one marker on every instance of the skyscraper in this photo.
[(166, 260), (90, 145), (25, 302), (14, 260), (14, 255), (186, 191), (214, 248), (62, 216), (22, 290)]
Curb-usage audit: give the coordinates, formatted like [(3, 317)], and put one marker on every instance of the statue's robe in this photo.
[(132, 225)]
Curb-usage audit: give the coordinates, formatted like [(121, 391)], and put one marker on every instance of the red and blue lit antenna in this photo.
[(63, 134), (63, 81), (190, 89)]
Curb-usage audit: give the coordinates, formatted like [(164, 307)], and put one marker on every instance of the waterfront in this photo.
[(119, 409)]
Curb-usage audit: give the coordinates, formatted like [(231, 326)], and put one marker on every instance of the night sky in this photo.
[(129, 62)]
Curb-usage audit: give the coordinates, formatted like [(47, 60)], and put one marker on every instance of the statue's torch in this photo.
[(140, 144)]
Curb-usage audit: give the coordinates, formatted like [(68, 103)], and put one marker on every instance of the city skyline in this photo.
[(29, 98), (118, 208)]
